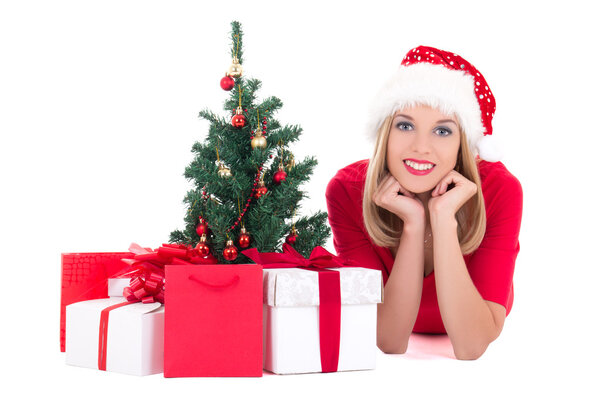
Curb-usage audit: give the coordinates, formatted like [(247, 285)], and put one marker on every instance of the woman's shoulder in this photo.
[(496, 175), (350, 179), (355, 172), (500, 188)]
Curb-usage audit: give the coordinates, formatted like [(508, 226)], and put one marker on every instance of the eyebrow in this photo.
[(410, 118)]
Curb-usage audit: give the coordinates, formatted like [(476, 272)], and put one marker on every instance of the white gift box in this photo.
[(134, 340), (116, 286), (291, 342)]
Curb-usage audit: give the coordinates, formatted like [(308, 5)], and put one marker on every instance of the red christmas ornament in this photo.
[(230, 252), (279, 176), (202, 227), (260, 191), (238, 121), (291, 238), (244, 239), (227, 83), (202, 247)]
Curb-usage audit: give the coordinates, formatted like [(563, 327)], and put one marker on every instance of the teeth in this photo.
[(420, 167)]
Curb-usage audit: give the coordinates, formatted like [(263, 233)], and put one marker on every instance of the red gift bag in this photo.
[(213, 320), (85, 277)]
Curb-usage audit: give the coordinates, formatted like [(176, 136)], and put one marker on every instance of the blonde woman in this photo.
[(433, 208)]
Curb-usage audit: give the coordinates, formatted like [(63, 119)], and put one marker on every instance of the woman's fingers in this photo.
[(388, 183), (381, 190), (385, 185), (394, 188), (397, 187), (405, 192), (386, 192), (442, 186)]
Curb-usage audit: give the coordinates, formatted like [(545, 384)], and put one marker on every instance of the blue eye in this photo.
[(399, 125), (445, 131)]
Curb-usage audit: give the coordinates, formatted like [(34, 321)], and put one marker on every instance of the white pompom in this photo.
[(489, 148)]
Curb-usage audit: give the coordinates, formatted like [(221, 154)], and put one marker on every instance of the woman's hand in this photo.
[(447, 202), (396, 199)]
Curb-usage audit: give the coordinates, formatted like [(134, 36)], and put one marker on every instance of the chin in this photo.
[(418, 189), (417, 184), (420, 184)]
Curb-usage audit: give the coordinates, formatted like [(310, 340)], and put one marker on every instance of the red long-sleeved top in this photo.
[(491, 266)]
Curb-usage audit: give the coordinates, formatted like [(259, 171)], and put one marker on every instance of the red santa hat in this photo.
[(447, 82)]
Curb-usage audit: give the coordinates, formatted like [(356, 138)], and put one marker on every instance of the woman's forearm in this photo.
[(467, 318), (402, 295)]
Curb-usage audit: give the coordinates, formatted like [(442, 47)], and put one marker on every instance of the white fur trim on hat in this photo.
[(449, 91)]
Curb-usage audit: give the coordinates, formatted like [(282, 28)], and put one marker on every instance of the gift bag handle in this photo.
[(233, 281)]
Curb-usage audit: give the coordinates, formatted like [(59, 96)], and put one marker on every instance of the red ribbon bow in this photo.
[(147, 282), (290, 258), (330, 302)]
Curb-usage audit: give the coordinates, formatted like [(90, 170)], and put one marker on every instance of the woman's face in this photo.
[(422, 147)]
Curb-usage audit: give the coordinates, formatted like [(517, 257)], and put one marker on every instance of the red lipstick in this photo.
[(419, 161), (416, 171)]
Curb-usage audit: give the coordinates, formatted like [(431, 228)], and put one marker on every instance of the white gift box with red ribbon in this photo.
[(133, 336), (291, 339)]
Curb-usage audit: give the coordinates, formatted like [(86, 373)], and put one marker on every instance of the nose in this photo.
[(421, 143)]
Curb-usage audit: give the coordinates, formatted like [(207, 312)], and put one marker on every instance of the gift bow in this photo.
[(290, 258), (147, 282), (330, 301)]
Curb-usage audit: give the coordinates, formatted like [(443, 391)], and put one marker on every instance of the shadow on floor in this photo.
[(428, 346)]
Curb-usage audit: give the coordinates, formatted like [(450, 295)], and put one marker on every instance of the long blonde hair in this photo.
[(385, 228)]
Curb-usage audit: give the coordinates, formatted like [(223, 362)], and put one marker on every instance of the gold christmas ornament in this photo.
[(291, 163), (224, 172), (235, 70), (259, 140)]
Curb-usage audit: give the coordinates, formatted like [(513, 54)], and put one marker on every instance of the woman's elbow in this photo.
[(469, 353), (393, 348)]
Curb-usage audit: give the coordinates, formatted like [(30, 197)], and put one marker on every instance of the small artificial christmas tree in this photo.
[(247, 181)]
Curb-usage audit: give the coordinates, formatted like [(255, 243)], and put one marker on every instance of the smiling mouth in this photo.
[(418, 168)]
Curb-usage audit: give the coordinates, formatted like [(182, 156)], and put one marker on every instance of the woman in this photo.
[(433, 209)]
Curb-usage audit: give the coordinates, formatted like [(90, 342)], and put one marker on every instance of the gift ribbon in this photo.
[(103, 334), (329, 293)]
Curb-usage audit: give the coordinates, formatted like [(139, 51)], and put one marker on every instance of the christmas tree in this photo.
[(246, 179)]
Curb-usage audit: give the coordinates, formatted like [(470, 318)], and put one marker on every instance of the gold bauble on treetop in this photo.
[(235, 70)]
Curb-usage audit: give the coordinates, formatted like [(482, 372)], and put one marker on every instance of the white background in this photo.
[(98, 113)]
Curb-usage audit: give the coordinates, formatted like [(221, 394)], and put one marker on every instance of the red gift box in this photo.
[(85, 277), (213, 320)]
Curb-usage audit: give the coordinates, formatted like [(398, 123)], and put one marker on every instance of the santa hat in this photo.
[(447, 82)]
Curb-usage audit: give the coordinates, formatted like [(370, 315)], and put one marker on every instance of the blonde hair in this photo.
[(385, 228)]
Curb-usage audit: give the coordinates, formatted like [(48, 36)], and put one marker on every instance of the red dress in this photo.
[(491, 266)]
